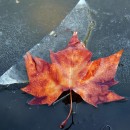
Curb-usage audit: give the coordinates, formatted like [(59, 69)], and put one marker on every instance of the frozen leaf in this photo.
[(72, 69)]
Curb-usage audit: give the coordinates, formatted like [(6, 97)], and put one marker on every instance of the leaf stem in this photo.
[(90, 29), (65, 121)]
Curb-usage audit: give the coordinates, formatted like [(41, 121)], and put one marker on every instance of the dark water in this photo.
[(24, 23)]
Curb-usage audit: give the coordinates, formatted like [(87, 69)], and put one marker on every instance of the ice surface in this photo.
[(78, 20)]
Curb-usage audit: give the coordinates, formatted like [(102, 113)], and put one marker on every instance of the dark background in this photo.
[(24, 24)]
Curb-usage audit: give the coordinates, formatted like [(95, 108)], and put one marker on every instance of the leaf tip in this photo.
[(120, 52)]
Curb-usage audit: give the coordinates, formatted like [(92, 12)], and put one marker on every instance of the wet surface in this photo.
[(24, 23)]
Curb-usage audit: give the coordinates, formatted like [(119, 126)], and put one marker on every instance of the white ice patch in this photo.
[(81, 2), (17, 1)]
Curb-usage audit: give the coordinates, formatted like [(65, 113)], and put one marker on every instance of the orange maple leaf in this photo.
[(71, 69)]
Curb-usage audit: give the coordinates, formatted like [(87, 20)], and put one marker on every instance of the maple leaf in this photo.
[(72, 69)]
